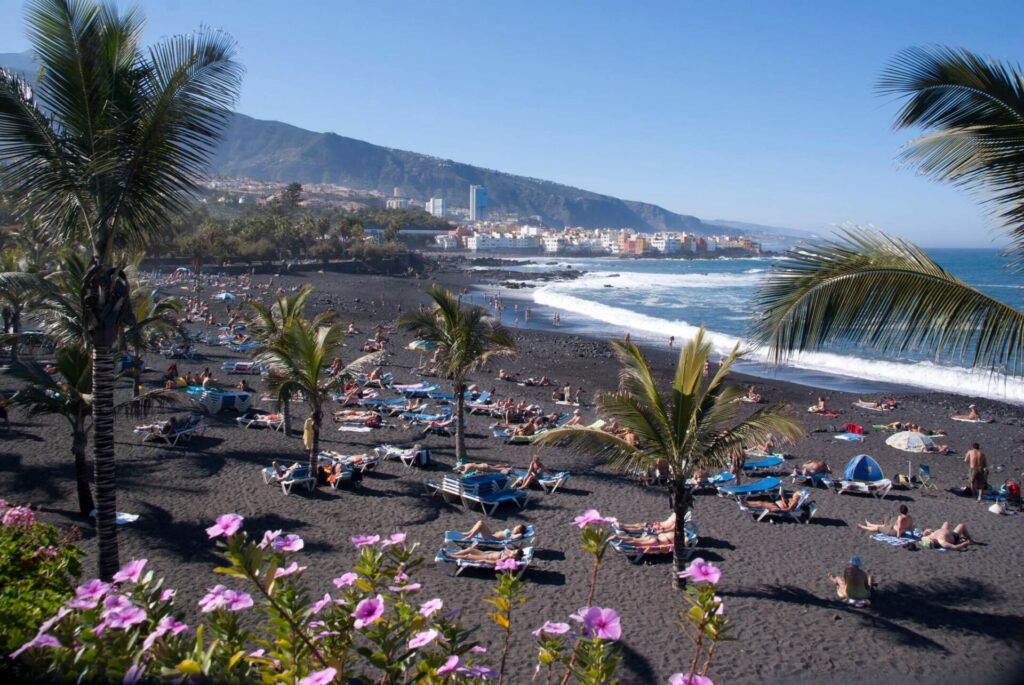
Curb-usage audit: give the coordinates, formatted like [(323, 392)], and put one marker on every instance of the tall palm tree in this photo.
[(694, 427), (153, 319), (866, 288), (296, 359), (68, 393), (268, 323), (465, 338), (105, 148)]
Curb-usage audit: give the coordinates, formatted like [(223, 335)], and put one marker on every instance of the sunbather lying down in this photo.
[(782, 504), (481, 530), (956, 539), (473, 554), (666, 526), (281, 472), (812, 468), (648, 539), (480, 467)]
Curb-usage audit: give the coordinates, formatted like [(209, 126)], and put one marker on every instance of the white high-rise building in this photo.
[(436, 207), (477, 203)]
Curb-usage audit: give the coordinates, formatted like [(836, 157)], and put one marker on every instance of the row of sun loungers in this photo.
[(487, 491)]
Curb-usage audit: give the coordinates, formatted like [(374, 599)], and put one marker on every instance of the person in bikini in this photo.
[(898, 528), (481, 467), (666, 526), (667, 537), (481, 530), (854, 584), (576, 419), (781, 504), (812, 467), (473, 554), (533, 472)]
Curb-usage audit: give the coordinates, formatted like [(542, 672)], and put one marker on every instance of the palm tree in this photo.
[(465, 339), (19, 281), (268, 323), (870, 289), (695, 427), (106, 149), (296, 359), (70, 395), (153, 321)]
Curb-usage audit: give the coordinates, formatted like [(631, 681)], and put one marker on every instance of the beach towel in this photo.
[(355, 429), (866, 405), (121, 518), (893, 540), (850, 437), (963, 420)]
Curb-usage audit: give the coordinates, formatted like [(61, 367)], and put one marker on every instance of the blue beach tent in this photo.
[(863, 468)]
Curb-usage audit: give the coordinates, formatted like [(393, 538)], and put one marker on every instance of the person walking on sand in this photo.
[(977, 474)]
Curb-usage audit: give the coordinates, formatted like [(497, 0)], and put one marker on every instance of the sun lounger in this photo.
[(764, 463), (243, 347), (246, 367), (966, 420), (216, 401), (814, 480), (297, 476), (723, 478), (271, 421), (407, 456), (423, 417), (636, 553), (757, 487), (362, 465), (489, 491), (455, 537), (802, 510), (444, 557), (183, 432), (549, 481)]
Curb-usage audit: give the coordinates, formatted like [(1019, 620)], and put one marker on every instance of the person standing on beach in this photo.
[(977, 475), (671, 341)]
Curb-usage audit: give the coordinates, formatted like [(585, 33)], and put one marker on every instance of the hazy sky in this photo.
[(762, 112)]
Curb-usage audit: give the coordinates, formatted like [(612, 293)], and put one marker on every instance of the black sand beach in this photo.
[(939, 617)]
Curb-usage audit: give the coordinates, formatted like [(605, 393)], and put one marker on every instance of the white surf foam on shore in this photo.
[(925, 375)]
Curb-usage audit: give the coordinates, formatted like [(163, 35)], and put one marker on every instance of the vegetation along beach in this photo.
[(281, 406)]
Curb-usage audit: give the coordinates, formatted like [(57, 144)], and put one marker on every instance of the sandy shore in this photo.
[(939, 617)]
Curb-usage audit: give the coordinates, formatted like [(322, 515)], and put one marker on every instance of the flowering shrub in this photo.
[(38, 567), (704, 622)]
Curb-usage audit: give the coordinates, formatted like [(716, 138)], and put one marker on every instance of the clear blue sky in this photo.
[(735, 110)]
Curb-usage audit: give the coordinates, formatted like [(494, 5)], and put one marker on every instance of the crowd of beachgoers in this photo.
[(813, 533)]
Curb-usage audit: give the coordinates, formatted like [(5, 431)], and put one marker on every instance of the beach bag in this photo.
[(422, 457), (1012, 489)]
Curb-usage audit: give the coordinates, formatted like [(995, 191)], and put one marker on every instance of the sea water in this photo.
[(653, 299)]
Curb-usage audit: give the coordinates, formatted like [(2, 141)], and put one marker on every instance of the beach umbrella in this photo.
[(421, 345), (224, 297), (910, 441), (183, 269)]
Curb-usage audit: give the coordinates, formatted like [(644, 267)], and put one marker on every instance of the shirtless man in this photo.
[(813, 468), (481, 467), (903, 524), (480, 529), (977, 475), (666, 526), (576, 419), (956, 539)]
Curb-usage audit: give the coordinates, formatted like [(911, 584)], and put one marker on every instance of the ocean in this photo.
[(653, 299)]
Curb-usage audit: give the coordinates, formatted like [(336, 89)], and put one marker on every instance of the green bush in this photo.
[(38, 570)]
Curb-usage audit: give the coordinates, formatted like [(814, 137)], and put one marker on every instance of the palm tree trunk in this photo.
[(314, 446), (103, 459), (460, 425), (79, 440), (682, 502), (287, 415)]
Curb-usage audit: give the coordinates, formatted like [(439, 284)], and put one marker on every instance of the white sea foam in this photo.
[(661, 282), (921, 374)]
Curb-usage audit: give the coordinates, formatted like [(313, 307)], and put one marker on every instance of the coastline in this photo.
[(935, 612)]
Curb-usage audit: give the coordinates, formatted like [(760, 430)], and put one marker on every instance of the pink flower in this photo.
[(687, 679), (412, 587), (19, 517), (118, 612), (601, 623), (449, 665), (40, 640), (365, 540), (479, 649), (481, 672), (134, 674), (167, 594), (319, 606), (591, 517), (130, 572), (93, 589), (719, 608), (226, 525), (52, 621), (257, 653), (345, 580), (168, 624), (368, 611), (551, 628), (395, 539), (268, 538), (430, 607), (700, 571), (221, 597), (292, 568), (508, 564), (287, 543), (319, 677), (82, 604), (423, 638)]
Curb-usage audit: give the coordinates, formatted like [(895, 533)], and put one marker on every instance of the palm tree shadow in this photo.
[(638, 665)]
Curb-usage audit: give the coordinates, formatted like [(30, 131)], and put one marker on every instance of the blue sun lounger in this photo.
[(455, 537), (489, 491), (635, 553), (297, 476), (767, 463), (757, 487), (802, 510), (723, 478), (549, 482), (444, 557)]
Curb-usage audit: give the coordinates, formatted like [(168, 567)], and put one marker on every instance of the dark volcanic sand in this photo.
[(939, 617)]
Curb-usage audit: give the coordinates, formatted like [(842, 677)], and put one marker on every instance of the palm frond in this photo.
[(974, 110), (874, 290)]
